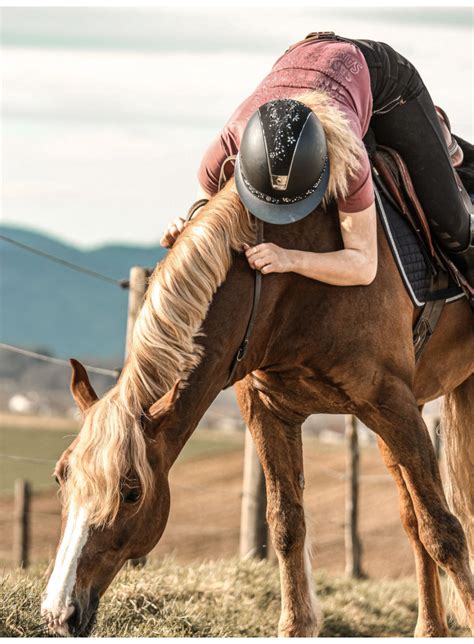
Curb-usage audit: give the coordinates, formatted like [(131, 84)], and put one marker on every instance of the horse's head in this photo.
[(115, 496), (114, 477)]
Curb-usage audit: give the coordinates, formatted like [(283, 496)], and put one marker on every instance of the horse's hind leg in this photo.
[(431, 615), (458, 435), (280, 451), (395, 417)]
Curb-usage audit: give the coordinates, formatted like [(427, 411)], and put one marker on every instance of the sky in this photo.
[(105, 113)]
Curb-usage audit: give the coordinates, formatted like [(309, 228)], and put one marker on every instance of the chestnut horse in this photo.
[(315, 348)]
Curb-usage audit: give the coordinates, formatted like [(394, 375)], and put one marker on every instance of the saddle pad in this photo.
[(409, 253)]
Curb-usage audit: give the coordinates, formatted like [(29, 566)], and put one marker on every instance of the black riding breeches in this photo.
[(404, 118)]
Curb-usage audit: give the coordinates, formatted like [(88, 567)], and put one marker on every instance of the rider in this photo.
[(371, 84)]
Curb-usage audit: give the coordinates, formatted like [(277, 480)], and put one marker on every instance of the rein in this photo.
[(253, 314), (240, 355)]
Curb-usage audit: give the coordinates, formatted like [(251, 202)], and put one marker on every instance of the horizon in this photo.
[(57, 239), (102, 132)]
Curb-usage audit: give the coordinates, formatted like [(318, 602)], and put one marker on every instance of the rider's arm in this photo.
[(355, 265)]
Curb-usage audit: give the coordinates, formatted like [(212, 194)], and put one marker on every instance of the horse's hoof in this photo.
[(303, 628), (431, 630)]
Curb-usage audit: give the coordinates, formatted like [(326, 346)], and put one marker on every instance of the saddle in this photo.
[(391, 178)]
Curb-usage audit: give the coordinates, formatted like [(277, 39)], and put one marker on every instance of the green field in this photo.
[(36, 448)]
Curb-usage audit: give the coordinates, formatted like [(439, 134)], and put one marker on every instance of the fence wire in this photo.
[(27, 459), (115, 373), (64, 262), (121, 283)]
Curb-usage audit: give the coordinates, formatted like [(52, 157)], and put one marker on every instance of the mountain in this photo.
[(43, 304)]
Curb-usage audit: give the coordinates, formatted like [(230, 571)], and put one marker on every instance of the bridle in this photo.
[(240, 355)]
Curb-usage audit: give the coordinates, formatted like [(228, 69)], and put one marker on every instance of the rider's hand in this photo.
[(269, 258), (174, 229)]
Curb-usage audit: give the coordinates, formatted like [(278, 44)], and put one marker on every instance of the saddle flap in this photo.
[(396, 178), (391, 167)]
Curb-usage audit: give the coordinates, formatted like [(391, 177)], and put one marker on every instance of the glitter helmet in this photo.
[(282, 168)]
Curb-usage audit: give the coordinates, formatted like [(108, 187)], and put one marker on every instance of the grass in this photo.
[(44, 439), (217, 599)]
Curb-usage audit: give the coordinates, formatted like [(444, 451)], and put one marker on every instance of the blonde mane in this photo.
[(344, 146), (112, 446)]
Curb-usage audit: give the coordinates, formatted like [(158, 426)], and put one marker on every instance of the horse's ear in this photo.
[(81, 388), (162, 406)]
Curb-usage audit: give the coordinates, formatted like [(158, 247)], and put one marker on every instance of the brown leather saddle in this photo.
[(390, 169)]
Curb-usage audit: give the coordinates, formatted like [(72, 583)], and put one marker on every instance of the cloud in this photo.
[(206, 29), (102, 138)]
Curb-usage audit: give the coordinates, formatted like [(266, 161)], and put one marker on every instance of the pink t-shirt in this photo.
[(337, 68)]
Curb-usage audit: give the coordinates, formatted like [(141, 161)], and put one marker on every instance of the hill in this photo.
[(66, 313)]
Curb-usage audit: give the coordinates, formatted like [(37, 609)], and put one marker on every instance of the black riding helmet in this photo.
[(282, 169)]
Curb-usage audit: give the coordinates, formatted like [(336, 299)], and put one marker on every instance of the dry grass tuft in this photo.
[(216, 599)]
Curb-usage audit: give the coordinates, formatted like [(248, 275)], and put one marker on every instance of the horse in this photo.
[(315, 348)]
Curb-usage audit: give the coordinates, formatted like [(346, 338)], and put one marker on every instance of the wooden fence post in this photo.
[(253, 524), (21, 525), (136, 291), (353, 545), (138, 283), (433, 424)]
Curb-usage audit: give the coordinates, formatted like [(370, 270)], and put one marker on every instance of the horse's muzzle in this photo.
[(75, 620), (82, 620)]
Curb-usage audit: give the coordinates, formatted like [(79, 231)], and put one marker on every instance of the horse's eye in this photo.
[(132, 495), (56, 478)]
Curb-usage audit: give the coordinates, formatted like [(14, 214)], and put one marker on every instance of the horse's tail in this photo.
[(458, 416)]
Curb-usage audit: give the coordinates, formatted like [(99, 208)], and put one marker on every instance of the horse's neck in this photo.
[(227, 319), (223, 331)]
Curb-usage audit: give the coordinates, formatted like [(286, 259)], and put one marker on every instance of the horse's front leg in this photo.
[(279, 448), (431, 615)]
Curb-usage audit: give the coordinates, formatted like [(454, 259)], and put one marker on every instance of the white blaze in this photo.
[(57, 604)]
